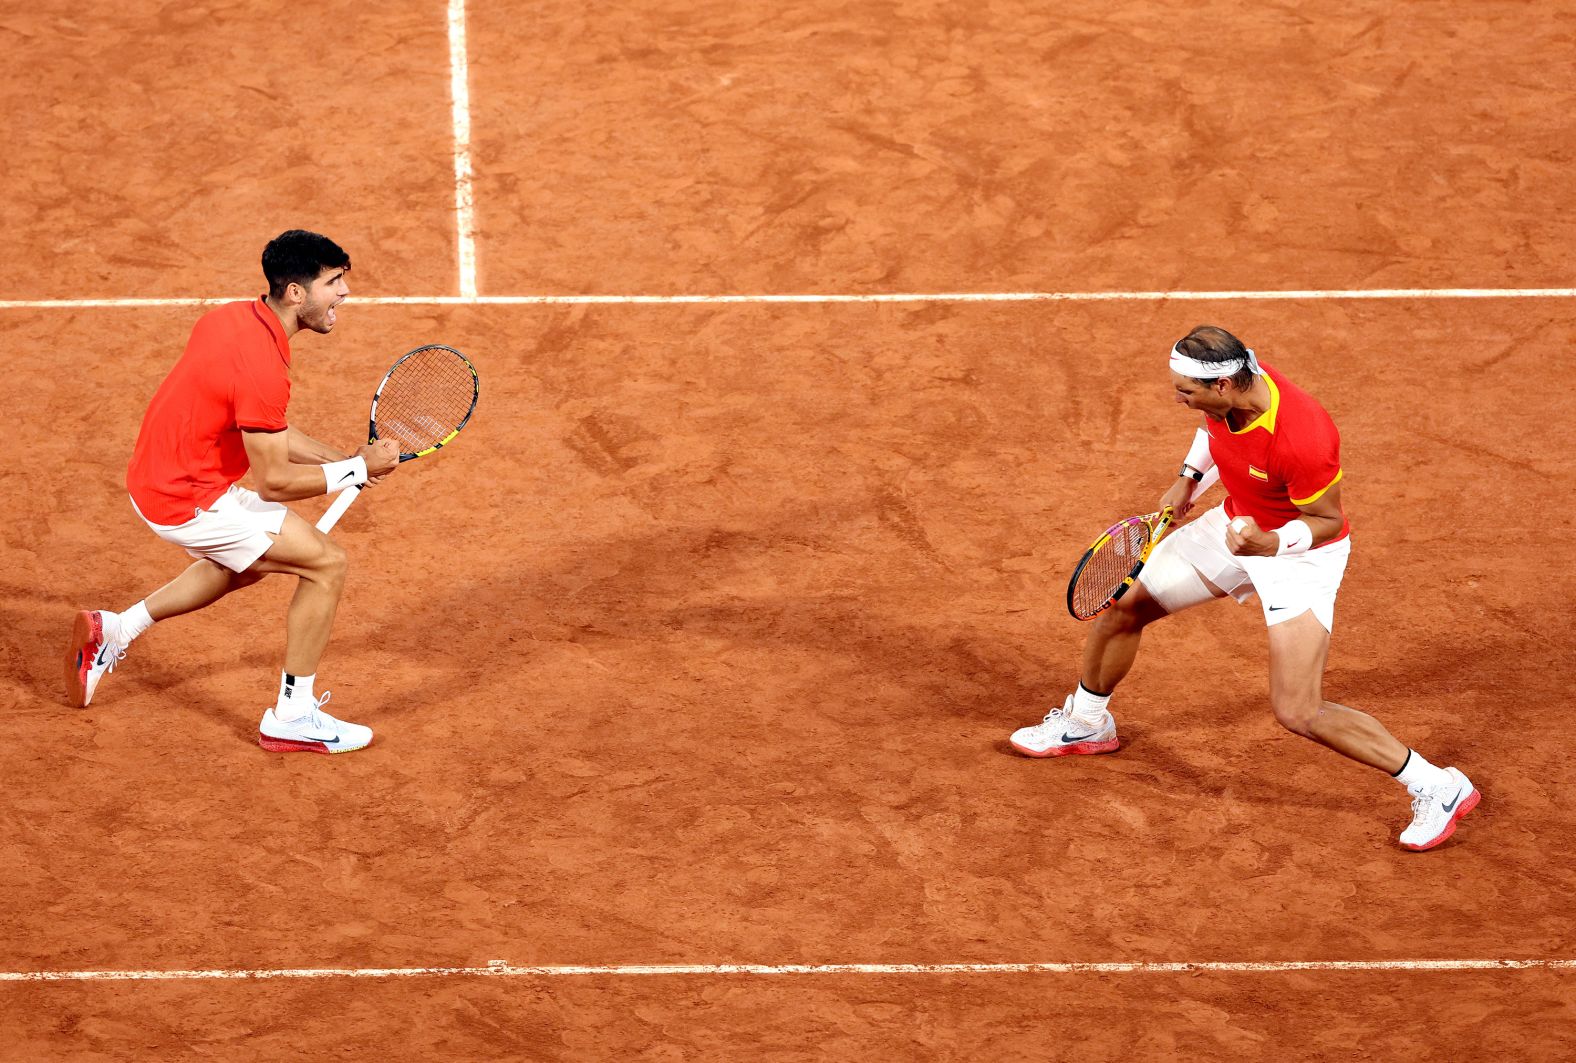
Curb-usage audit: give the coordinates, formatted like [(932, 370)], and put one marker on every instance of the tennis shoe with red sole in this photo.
[(1436, 811), (1061, 735), (91, 654), (316, 732)]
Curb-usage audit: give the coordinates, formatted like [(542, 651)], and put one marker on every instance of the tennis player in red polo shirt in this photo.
[(220, 413), (1281, 534)]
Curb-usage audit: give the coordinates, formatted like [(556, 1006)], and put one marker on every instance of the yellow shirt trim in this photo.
[(1265, 420), (1320, 492)]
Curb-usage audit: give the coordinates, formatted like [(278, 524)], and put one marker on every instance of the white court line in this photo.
[(464, 199), (893, 297), (502, 969)]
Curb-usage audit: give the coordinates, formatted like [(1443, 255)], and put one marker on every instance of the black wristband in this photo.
[(1191, 473)]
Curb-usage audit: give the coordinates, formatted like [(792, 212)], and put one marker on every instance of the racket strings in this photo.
[(1108, 565), (425, 400)]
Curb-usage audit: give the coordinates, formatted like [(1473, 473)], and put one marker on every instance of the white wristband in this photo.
[(338, 475), (1295, 538), (1198, 455)]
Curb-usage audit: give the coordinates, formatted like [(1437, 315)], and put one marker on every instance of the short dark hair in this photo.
[(1212, 345), (298, 257)]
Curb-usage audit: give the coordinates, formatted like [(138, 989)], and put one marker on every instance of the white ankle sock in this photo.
[(296, 698), (1418, 774), (133, 622), (1088, 706)]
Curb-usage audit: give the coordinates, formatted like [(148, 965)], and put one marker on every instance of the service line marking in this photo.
[(464, 197), (467, 239), (503, 969)]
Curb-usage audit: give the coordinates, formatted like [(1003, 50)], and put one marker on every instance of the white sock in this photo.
[(133, 622), (1418, 774), (296, 698), (1089, 707)]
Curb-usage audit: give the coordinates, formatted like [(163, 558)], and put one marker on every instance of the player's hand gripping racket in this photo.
[(422, 402), (1109, 567)]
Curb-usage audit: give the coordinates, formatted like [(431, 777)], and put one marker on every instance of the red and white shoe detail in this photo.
[(316, 732), (89, 655), (1435, 812), (1061, 735)]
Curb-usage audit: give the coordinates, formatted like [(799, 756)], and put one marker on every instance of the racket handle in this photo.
[(331, 516)]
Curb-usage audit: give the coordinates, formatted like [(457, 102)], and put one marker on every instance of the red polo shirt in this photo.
[(1286, 457), (234, 375)]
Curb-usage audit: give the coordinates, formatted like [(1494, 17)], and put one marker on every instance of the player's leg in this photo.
[(225, 539), (301, 550), (1114, 637), (1299, 648), (1083, 724), (203, 583), (297, 722)]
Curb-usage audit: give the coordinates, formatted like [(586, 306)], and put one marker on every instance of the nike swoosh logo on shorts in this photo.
[(1453, 801), (1276, 608)]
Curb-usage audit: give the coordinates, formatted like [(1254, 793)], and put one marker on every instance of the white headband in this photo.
[(1192, 367)]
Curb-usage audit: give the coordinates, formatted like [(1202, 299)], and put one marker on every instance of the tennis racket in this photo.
[(1109, 567), (422, 403)]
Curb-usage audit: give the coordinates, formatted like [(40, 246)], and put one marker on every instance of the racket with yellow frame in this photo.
[(1109, 567), (421, 403)]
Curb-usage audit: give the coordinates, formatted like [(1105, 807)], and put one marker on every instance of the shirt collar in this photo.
[(1265, 420), (276, 328)]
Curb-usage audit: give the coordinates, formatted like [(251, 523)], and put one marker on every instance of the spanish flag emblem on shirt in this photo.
[(1257, 473)]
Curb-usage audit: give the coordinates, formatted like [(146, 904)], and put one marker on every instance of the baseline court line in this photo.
[(464, 198), (502, 969), (908, 297)]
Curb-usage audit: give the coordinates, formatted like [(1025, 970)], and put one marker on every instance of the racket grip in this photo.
[(331, 516)]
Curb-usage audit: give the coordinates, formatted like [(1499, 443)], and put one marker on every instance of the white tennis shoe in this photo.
[(93, 652), (1060, 735), (1436, 809), (316, 732)]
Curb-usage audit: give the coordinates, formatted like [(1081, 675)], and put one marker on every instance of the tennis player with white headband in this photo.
[(1281, 534)]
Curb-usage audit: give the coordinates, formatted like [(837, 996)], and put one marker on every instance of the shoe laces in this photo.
[(1057, 717), (1430, 797), (316, 715)]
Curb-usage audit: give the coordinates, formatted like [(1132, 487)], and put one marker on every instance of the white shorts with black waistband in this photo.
[(1287, 586), (233, 532)]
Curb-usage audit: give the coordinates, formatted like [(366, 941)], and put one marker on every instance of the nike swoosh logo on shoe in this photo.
[(1079, 738), (103, 656), (1452, 804)]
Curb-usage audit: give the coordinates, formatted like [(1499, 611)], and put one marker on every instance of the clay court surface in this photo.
[(701, 645)]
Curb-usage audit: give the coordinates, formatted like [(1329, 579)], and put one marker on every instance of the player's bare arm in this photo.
[(304, 450), (279, 479), (1322, 516), (1179, 496)]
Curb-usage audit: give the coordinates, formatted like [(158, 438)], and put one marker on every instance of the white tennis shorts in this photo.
[(1287, 586), (232, 532)]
